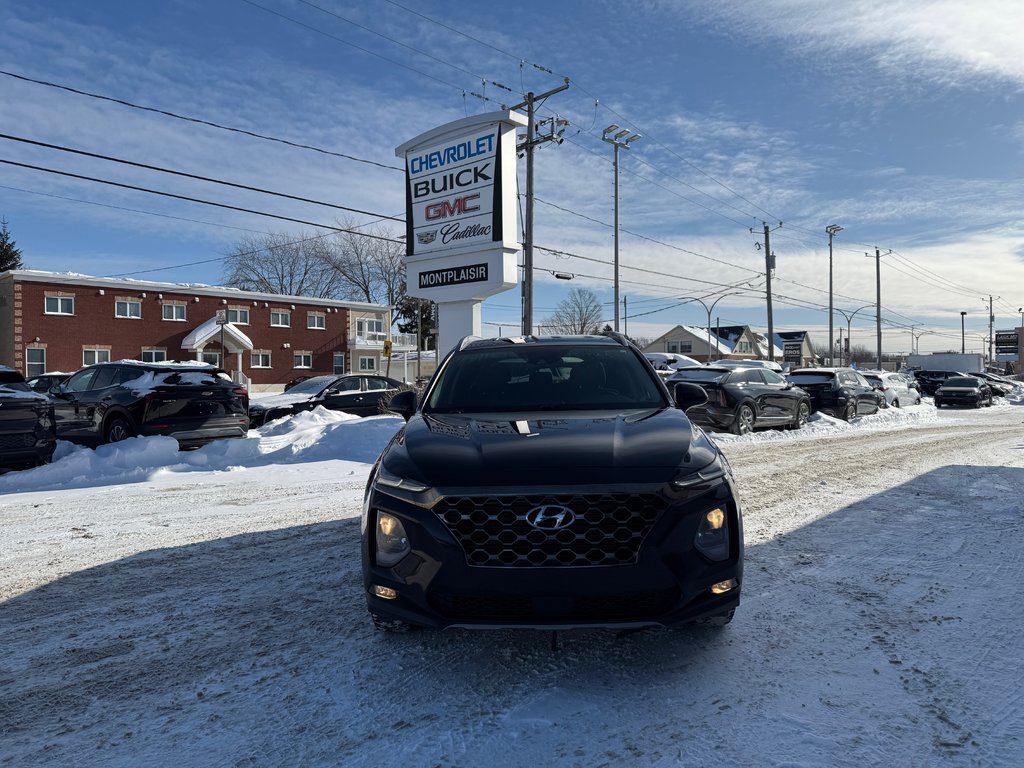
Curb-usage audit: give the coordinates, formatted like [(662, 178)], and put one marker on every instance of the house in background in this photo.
[(59, 322), (736, 342)]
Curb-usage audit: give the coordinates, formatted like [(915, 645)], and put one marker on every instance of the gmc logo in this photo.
[(446, 208)]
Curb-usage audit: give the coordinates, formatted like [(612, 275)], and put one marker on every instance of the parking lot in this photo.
[(206, 609)]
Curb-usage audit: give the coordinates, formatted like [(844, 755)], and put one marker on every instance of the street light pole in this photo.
[(832, 230), (962, 346), (619, 138), (849, 323)]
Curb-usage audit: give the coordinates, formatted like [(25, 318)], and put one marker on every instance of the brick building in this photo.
[(59, 322)]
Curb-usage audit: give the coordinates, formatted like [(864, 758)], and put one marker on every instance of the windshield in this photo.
[(961, 381), (544, 377), (311, 386), (699, 374)]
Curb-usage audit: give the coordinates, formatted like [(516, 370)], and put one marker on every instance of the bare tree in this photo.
[(579, 312), (371, 263), (279, 262)]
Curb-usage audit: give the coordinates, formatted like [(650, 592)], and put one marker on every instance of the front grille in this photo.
[(24, 440), (504, 608), (606, 529)]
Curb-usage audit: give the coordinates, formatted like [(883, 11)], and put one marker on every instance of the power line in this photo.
[(183, 174), (200, 121), (194, 200)]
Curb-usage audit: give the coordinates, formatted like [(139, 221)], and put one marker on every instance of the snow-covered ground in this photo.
[(205, 608)]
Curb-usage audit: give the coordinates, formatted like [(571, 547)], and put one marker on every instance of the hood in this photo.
[(566, 448), (282, 400)]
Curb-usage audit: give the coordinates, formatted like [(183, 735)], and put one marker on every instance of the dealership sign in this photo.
[(792, 351), (461, 233)]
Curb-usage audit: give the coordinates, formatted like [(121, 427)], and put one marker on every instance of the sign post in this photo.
[(460, 218)]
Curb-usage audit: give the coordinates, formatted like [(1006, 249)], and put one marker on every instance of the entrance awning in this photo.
[(199, 337)]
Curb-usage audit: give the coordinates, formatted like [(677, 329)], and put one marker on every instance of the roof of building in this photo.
[(196, 289)]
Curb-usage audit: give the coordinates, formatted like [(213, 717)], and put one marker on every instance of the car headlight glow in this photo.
[(712, 537), (392, 541)]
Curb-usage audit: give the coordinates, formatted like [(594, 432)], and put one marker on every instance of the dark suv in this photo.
[(929, 381), (191, 402), (27, 435), (841, 392), (550, 483)]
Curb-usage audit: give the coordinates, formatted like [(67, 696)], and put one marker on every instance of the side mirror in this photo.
[(688, 395), (403, 403)]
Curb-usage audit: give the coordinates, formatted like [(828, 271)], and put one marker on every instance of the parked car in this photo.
[(356, 393), (47, 381), (550, 482), (27, 433), (894, 388), (964, 390), (296, 380), (840, 392), (669, 361), (931, 380), (191, 402), (741, 400), (1000, 387), (770, 364)]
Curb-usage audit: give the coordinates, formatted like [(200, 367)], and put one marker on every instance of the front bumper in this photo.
[(665, 581)]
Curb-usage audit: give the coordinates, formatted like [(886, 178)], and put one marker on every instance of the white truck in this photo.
[(970, 362)]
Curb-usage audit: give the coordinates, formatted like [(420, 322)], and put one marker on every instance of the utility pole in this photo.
[(769, 265), (831, 230), (878, 304), (625, 315), (528, 145), (991, 320)]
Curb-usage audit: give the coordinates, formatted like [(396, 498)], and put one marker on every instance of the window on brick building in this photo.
[(130, 308), (60, 305), (174, 312), (281, 318), (93, 355)]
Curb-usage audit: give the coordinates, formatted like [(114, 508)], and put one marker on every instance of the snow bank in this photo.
[(318, 435)]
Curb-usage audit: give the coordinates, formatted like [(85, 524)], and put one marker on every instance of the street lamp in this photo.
[(1021, 310), (962, 315), (849, 322), (711, 309), (619, 138), (831, 230)]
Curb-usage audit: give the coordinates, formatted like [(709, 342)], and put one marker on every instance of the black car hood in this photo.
[(564, 448)]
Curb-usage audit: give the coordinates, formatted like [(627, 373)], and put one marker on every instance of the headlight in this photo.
[(392, 541), (712, 538), (391, 480), (712, 474)]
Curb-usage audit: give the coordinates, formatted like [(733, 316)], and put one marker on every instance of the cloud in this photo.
[(949, 42)]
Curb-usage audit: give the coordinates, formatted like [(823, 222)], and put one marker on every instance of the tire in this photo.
[(850, 411), (895, 403), (718, 621), (390, 626), (744, 422), (803, 414), (117, 429)]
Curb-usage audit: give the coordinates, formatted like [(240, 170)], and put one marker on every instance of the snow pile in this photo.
[(318, 435)]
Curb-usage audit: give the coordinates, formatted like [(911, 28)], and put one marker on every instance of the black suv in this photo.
[(841, 392), (929, 381), (550, 483), (191, 402), (27, 435)]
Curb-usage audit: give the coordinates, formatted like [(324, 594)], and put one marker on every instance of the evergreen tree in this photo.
[(10, 256)]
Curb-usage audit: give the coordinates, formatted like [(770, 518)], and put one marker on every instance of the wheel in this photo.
[(391, 626), (744, 421), (895, 403), (803, 413), (850, 411), (117, 429), (718, 621)]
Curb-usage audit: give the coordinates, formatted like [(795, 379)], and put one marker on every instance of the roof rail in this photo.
[(616, 336), (466, 341)]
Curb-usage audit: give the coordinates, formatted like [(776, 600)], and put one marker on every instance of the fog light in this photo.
[(392, 541), (724, 586), (712, 538), (387, 593)]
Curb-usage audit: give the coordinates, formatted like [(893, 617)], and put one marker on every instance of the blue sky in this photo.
[(901, 121)]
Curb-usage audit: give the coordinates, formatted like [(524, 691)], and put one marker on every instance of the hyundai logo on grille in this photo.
[(550, 517)]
